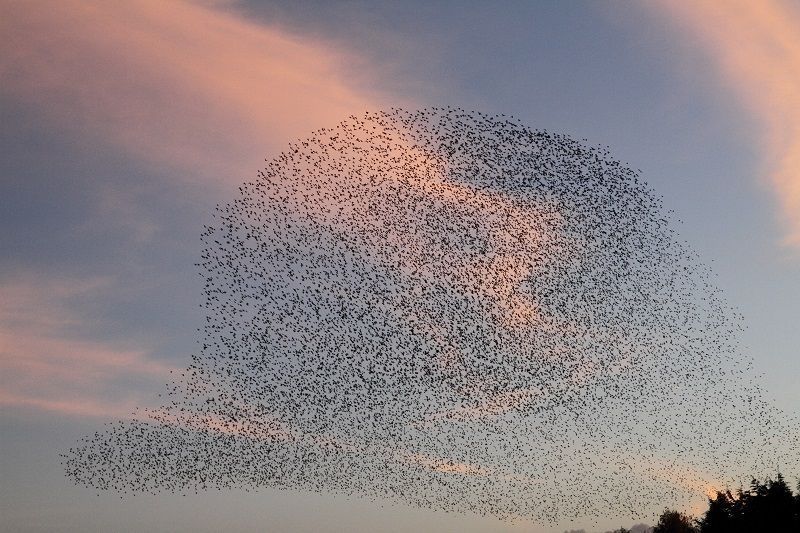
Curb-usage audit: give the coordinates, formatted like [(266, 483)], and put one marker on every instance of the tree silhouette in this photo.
[(797, 504), (722, 513), (768, 506), (674, 522)]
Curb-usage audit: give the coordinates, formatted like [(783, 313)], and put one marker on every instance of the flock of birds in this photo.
[(452, 310)]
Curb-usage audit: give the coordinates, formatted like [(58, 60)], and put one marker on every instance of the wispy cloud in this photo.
[(446, 466), (46, 364), (177, 83), (757, 47), (189, 86)]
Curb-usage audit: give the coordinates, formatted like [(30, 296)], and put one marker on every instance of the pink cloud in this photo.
[(245, 424), (189, 86), (177, 83), (82, 407), (496, 276), (756, 46), (446, 466), (46, 365)]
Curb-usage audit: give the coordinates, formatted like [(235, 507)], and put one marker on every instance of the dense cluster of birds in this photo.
[(455, 311)]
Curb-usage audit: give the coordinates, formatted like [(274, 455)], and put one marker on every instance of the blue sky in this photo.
[(124, 125)]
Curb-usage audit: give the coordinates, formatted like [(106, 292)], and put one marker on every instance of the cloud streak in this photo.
[(189, 87), (47, 365), (757, 48), (175, 83)]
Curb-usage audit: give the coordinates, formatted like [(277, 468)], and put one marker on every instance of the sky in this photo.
[(123, 124)]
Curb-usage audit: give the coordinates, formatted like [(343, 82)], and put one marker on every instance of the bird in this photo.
[(451, 310)]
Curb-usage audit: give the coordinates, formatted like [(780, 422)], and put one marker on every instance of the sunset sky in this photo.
[(125, 123)]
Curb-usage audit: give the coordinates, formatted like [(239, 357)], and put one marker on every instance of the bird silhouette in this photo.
[(458, 312)]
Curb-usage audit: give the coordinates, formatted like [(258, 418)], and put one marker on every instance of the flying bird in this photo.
[(455, 311)]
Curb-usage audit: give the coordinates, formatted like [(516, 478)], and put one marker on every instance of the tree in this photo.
[(797, 504), (768, 506), (721, 515), (674, 522), (780, 505)]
